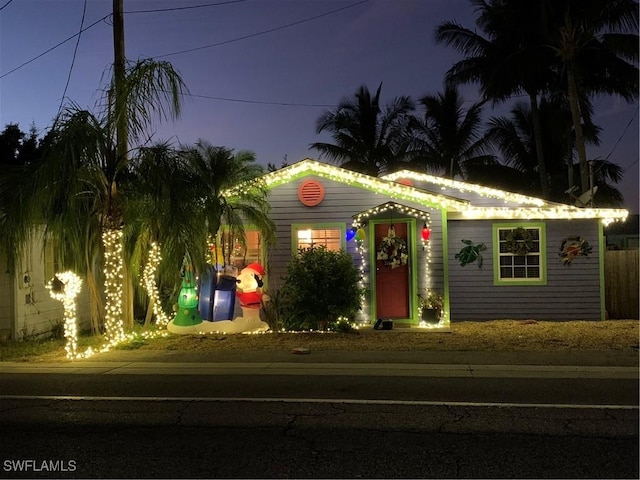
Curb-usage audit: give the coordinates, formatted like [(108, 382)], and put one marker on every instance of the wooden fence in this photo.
[(621, 283)]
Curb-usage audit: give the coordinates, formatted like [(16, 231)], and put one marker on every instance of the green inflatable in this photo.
[(187, 313)]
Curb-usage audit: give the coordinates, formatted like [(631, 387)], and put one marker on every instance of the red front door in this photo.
[(392, 283)]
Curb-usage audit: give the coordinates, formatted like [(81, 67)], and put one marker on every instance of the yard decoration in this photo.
[(470, 253), (65, 287), (392, 250), (573, 247), (519, 241), (187, 313)]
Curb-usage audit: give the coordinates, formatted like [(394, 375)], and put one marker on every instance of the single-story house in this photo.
[(490, 254)]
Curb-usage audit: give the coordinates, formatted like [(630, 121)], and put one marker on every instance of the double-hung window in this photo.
[(519, 254), (328, 235)]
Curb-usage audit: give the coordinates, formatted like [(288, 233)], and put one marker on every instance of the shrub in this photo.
[(320, 286)]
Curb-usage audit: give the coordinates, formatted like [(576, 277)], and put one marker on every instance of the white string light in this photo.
[(149, 279)]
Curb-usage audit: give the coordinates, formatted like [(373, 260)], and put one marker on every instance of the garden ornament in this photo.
[(470, 253)]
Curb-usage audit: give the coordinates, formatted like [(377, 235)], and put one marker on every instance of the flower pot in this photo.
[(430, 315)]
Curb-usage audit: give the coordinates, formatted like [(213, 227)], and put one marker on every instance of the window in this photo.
[(330, 236), (519, 254), (237, 255)]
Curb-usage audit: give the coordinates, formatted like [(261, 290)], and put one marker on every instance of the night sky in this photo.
[(263, 92)]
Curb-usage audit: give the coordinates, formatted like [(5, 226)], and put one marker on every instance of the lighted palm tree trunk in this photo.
[(149, 278), (113, 273)]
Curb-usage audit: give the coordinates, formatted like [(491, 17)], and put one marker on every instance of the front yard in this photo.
[(496, 335)]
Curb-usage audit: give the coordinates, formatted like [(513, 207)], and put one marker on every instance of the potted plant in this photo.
[(431, 304)]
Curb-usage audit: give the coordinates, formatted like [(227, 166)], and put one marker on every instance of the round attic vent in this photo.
[(311, 193)]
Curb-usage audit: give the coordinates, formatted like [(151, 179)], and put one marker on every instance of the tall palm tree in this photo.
[(227, 189), (76, 187), (368, 138), (507, 58), (513, 138), (597, 44), (448, 139)]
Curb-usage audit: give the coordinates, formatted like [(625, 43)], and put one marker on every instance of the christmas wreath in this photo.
[(573, 247), (392, 250), (519, 241)]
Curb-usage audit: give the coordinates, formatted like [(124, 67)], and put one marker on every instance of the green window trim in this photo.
[(542, 279), (296, 227)]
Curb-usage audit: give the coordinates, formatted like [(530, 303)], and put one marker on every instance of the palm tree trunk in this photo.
[(113, 273), (128, 297), (95, 299), (537, 133), (577, 128)]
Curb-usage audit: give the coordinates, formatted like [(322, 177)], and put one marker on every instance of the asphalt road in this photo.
[(139, 420)]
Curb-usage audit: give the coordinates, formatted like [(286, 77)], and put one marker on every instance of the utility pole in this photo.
[(122, 145), (119, 79)]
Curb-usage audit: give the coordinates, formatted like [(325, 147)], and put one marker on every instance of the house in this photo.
[(489, 253), (26, 308)]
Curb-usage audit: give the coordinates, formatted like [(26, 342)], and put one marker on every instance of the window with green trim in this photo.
[(519, 254), (327, 235)]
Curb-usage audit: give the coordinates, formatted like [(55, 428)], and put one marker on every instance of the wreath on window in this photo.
[(519, 241), (573, 247), (392, 250)]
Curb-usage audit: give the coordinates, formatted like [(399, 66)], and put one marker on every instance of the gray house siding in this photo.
[(570, 293), (340, 204)]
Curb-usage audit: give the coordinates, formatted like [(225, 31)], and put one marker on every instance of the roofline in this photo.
[(457, 208)]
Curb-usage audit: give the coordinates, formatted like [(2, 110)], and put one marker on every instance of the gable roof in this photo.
[(515, 206)]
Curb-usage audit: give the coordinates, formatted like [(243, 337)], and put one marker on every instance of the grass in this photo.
[(496, 335)]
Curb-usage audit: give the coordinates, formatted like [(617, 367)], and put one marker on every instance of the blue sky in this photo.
[(303, 68)]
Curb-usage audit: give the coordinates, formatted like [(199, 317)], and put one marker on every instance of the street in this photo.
[(137, 420)]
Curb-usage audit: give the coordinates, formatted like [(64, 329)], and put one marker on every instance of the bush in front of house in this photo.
[(320, 286)]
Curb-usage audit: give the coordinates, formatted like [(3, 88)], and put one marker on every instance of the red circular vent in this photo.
[(311, 193)]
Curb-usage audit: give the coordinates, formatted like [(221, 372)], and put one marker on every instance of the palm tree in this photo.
[(597, 44), (76, 187), (227, 189), (448, 138), (513, 138), (162, 225), (506, 59), (368, 138)]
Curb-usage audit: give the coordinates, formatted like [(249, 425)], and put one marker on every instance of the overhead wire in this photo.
[(263, 32), (73, 59), (54, 47), (172, 9), (5, 5)]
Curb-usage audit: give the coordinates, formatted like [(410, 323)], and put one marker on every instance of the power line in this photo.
[(5, 5), (73, 59), (259, 102), (623, 134), (264, 32), (54, 47), (186, 8)]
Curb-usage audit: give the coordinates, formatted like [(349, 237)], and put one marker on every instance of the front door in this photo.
[(392, 278)]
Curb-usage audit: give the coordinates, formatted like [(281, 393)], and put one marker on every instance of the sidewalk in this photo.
[(608, 358), (585, 358)]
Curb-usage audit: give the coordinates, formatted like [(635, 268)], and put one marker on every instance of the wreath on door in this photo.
[(519, 241), (392, 250)]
